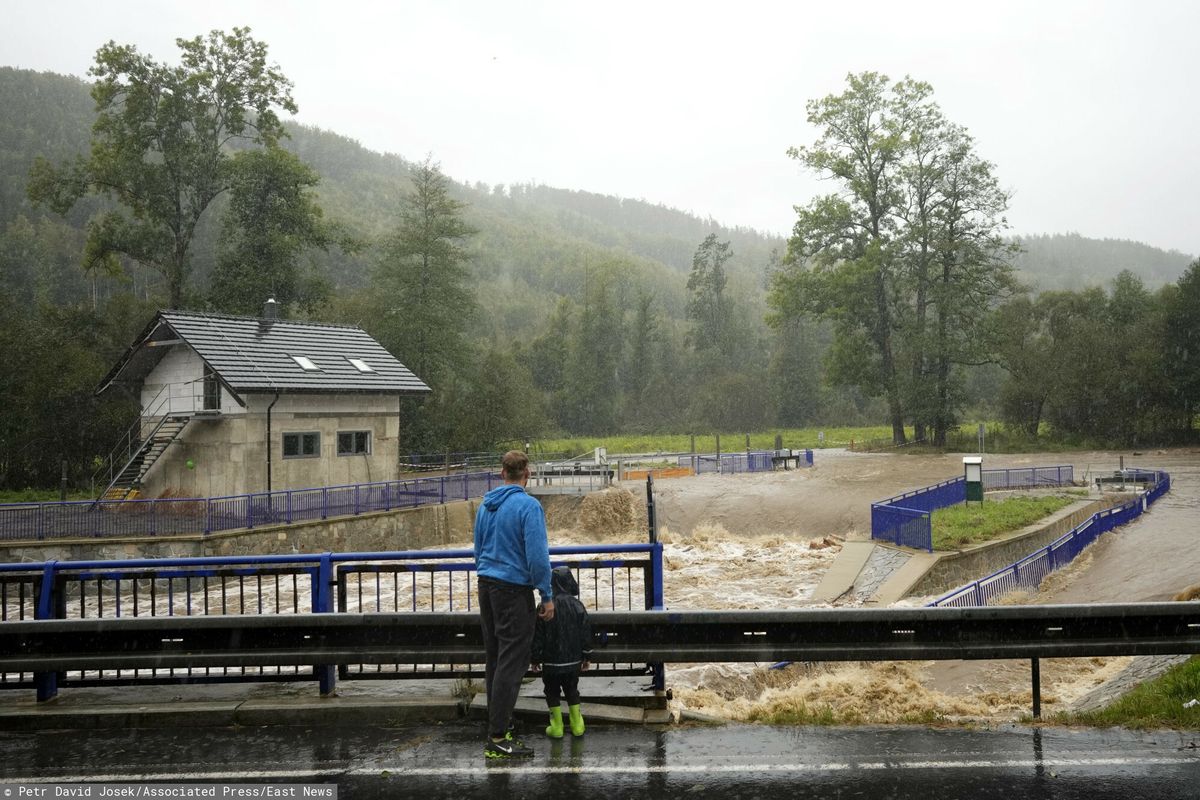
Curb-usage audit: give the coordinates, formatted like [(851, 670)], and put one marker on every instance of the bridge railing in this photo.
[(834, 634), (1028, 573), (623, 577)]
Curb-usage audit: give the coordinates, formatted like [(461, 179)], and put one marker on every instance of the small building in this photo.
[(237, 405)]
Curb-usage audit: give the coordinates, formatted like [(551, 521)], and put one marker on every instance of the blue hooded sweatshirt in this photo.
[(510, 539)]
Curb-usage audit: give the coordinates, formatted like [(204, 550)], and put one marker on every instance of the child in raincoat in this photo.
[(563, 646)]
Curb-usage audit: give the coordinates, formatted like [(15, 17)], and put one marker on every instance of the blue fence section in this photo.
[(111, 518), (1028, 477), (749, 461), (904, 519), (1029, 572), (620, 577)]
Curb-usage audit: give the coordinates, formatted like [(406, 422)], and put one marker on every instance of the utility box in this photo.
[(973, 473)]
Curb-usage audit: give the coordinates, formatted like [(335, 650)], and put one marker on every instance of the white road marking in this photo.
[(608, 769)]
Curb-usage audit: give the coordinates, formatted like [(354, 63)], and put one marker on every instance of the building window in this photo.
[(212, 390), (354, 443), (359, 364), (306, 363), (302, 445)]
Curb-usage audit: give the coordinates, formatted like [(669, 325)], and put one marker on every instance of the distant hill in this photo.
[(535, 243), (1071, 261)]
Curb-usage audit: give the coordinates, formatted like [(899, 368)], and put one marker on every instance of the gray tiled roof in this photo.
[(255, 355)]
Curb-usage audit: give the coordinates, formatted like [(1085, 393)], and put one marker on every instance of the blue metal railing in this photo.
[(176, 516), (904, 519), (729, 463), (1028, 477), (611, 578), (1029, 572)]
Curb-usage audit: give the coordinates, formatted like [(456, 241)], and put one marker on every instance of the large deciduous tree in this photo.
[(905, 259), (161, 146)]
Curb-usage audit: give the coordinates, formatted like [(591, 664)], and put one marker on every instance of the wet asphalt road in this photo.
[(729, 762)]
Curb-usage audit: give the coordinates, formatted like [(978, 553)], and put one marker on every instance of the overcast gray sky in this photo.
[(1090, 110)]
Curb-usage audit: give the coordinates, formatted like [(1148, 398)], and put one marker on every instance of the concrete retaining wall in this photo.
[(954, 569), (406, 529)]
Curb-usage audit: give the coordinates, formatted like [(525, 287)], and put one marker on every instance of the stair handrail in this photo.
[(131, 443)]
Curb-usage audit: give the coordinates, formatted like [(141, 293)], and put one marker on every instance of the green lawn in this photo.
[(797, 438), (973, 523), (1155, 704)]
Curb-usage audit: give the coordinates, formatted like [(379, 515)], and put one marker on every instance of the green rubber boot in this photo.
[(555, 729), (576, 720)]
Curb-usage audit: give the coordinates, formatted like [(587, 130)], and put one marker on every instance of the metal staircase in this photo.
[(141, 446)]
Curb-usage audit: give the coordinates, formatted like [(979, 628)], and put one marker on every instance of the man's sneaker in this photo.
[(507, 748)]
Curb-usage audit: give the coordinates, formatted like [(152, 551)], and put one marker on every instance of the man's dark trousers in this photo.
[(508, 616)]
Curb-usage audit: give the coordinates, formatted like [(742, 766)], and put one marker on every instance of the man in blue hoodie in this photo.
[(512, 558)]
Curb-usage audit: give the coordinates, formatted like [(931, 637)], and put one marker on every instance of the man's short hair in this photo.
[(514, 465)]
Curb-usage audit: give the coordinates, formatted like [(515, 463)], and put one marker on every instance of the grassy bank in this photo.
[(963, 439), (1155, 704), (797, 438), (974, 523)]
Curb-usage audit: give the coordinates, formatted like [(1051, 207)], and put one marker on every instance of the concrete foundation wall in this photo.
[(954, 569), (407, 529), (229, 455)]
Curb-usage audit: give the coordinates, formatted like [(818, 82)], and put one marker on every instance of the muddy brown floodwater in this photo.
[(763, 541)]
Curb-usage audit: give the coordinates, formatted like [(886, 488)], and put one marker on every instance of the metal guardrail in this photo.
[(611, 577), (904, 519), (319, 640), (199, 516), (1029, 572)]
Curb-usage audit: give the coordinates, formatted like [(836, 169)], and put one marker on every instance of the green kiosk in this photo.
[(973, 473)]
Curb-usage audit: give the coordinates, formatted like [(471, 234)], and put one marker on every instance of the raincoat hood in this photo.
[(563, 582), (496, 497)]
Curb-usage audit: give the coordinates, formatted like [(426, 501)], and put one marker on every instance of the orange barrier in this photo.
[(662, 472)]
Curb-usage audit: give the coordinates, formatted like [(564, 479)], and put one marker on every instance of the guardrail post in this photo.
[(1036, 678), (249, 511), (442, 489), (651, 514), (322, 596), (324, 502), (288, 494), (356, 503), (659, 680), (46, 683), (208, 516)]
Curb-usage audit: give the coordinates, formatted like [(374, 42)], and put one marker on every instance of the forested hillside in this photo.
[(1071, 261), (525, 231)]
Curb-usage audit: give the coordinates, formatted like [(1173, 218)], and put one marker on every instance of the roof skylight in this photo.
[(306, 364), (359, 364)]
